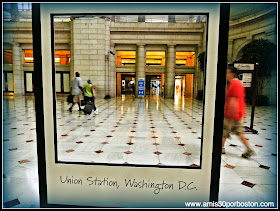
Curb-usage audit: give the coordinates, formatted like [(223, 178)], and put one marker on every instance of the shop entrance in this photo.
[(28, 82), (154, 82), (8, 82), (62, 82), (180, 85), (125, 84), (184, 85)]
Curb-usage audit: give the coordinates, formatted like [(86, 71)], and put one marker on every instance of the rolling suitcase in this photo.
[(88, 108)]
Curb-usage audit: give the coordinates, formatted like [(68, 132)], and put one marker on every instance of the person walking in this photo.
[(234, 111), (90, 95), (76, 89), (162, 90), (133, 88)]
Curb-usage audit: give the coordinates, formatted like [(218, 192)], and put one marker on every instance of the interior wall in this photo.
[(189, 85), (119, 81)]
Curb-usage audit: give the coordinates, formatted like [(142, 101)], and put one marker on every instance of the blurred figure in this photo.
[(133, 88), (235, 110), (76, 89)]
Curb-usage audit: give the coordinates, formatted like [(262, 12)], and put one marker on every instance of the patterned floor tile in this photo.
[(229, 166), (248, 184), (23, 161), (264, 167), (144, 131)]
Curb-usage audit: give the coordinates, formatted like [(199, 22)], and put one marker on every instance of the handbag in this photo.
[(70, 99), (83, 102)]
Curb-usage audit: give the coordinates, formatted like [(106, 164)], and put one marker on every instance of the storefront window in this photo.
[(185, 59), (8, 57), (28, 56), (126, 58), (155, 58), (62, 57), (156, 18), (57, 60)]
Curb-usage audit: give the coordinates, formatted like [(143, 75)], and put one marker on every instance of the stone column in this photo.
[(140, 65), (170, 72), (107, 55), (112, 68), (89, 51), (18, 70), (198, 75), (72, 59)]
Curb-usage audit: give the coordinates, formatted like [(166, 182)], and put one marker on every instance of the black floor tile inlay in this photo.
[(11, 203)]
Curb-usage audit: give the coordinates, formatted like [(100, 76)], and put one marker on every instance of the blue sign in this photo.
[(141, 85), (140, 92)]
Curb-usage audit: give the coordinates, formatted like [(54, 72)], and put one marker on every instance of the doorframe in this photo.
[(121, 73), (162, 78), (127, 75), (62, 81), (5, 76), (28, 92), (185, 74)]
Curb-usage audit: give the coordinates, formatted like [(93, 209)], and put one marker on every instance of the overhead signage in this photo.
[(243, 66)]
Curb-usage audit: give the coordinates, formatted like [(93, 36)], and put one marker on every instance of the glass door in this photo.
[(28, 82), (153, 85), (128, 84), (62, 82), (8, 81)]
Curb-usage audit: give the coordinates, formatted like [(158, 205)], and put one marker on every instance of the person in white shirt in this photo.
[(76, 90)]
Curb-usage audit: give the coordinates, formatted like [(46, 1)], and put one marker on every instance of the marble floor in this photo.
[(166, 131), (131, 131)]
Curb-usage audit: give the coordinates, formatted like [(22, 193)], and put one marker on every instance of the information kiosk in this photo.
[(247, 73)]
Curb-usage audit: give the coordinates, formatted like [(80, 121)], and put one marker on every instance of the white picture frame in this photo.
[(179, 185)]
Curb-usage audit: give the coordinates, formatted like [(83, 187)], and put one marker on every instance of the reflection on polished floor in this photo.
[(149, 131), (126, 129)]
